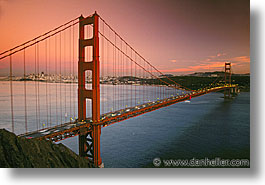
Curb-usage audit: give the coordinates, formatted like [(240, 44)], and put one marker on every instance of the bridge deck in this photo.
[(72, 129)]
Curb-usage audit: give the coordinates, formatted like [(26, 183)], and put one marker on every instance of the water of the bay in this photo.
[(207, 126)]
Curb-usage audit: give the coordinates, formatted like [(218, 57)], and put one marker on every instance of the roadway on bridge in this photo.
[(71, 129)]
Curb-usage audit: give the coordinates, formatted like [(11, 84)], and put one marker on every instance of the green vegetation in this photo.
[(195, 82)]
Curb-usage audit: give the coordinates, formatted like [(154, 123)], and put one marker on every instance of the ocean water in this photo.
[(207, 126)]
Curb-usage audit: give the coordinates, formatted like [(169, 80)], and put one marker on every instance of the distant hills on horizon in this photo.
[(206, 74)]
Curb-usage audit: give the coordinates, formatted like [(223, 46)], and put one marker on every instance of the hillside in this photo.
[(17, 152)]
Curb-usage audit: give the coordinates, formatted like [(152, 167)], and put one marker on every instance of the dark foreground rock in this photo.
[(18, 152)]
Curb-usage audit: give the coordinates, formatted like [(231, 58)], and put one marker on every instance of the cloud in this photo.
[(217, 55), (220, 54), (173, 61), (201, 67), (240, 59)]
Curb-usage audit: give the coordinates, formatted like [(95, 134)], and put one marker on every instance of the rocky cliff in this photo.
[(18, 152)]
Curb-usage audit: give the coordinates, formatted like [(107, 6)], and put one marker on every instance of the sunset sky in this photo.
[(176, 36)]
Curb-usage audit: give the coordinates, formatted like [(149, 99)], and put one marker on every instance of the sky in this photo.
[(176, 36)]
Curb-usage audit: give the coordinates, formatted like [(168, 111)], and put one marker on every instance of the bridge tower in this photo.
[(89, 142), (228, 73)]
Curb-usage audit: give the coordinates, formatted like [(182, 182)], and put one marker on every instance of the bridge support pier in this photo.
[(89, 143), (227, 92), (86, 141), (231, 92), (234, 91)]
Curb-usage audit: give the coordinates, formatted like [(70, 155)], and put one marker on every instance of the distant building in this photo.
[(166, 75), (207, 74), (214, 75)]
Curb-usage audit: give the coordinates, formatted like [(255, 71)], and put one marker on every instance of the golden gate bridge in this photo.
[(70, 69)]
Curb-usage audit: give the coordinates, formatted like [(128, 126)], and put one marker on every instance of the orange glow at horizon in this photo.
[(181, 43), (213, 65)]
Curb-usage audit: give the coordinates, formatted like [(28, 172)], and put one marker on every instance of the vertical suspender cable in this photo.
[(113, 69), (126, 74), (121, 86), (60, 76), (11, 92), (154, 88), (70, 68), (143, 82), (50, 102), (35, 85), (114, 87), (117, 75), (65, 77), (38, 83), (56, 79), (131, 78), (25, 92), (73, 62), (46, 84), (135, 79), (107, 71)]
